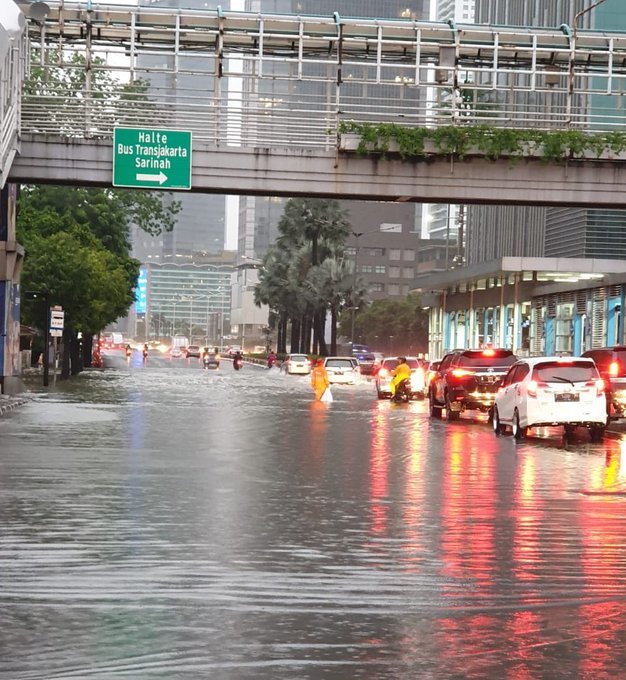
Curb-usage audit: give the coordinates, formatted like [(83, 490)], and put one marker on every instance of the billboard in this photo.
[(141, 291)]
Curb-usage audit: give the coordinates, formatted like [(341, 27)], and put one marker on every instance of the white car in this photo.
[(384, 376), (296, 364), (342, 370), (565, 391)]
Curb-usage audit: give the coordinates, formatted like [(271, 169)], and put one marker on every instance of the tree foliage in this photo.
[(78, 250), (304, 274), (392, 326)]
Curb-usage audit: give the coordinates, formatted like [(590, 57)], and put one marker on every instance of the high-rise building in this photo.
[(441, 220), (201, 223), (495, 231)]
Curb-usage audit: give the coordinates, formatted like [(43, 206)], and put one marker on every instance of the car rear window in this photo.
[(298, 357), (390, 364), (488, 358), (557, 372), (339, 363)]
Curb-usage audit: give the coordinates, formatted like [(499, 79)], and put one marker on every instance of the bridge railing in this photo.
[(13, 64), (252, 80)]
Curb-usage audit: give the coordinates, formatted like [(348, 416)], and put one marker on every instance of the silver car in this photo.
[(342, 370)]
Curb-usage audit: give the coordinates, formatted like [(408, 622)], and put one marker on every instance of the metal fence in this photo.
[(13, 64), (253, 80)]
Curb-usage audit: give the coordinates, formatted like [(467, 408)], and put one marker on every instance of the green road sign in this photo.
[(151, 159)]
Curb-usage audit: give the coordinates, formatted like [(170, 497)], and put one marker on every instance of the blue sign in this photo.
[(141, 291)]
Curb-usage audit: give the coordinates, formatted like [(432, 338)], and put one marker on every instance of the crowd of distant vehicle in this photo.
[(517, 393)]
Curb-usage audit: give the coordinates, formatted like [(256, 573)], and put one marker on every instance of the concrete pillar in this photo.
[(517, 313), (502, 316), (11, 260)]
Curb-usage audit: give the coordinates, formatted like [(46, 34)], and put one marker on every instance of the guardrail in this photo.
[(270, 81)]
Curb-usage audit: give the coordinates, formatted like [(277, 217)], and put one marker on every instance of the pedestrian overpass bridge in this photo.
[(265, 98), (265, 101)]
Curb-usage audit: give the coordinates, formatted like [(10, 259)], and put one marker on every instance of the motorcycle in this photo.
[(403, 393), (271, 361), (238, 363)]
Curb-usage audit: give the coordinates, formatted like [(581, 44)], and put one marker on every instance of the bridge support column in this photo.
[(11, 260)]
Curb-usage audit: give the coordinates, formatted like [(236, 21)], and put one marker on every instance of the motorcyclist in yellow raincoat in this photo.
[(401, 372)]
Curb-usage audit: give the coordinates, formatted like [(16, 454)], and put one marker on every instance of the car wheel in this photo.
[(450, 414), (434, 409), (597, 433), (519, 432), (498, 427)]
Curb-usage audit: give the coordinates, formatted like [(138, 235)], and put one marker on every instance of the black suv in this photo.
[(611, 363), (468, 379)]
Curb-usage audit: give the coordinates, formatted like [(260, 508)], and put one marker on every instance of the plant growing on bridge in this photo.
[(491, 141)]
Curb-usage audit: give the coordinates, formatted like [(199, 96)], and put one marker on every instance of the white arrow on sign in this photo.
[(160, 178)]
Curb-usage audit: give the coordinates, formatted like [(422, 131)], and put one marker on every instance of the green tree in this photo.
[(97, 223), (311, 231), (399, 324), (93, 285)]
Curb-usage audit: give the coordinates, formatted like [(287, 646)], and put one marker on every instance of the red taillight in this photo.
[(614, 368), (489, 353), (462, 372), (600, 386), (533, 386)]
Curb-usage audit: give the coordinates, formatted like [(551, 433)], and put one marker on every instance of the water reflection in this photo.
[(166, 523)]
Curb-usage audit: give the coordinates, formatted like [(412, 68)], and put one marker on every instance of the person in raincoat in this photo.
[(401, 372), (319, 379)]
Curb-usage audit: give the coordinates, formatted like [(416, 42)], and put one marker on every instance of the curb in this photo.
[(11, 404)]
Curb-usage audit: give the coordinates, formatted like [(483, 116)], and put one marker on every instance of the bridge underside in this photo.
[(326, 173)]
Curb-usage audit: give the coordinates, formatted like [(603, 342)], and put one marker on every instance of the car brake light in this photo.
[(614, 368), (489, 353), (462, 372), (533, 386)]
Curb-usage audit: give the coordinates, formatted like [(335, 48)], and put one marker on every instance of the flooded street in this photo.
[(164, 521)]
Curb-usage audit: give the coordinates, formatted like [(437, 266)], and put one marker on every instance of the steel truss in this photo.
[(272, 80)]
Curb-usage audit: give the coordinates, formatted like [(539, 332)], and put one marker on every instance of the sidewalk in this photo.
[(8, 402)]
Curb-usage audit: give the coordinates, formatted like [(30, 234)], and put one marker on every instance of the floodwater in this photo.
[(163, 521)]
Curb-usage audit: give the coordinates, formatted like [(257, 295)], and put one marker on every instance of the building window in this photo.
[(405, 289), (393, 289), (366, 268), (395, 254), (374, 252), (394, 272), (409, 255), (379, 269), (407, 272), (349, 250), (377, 288)]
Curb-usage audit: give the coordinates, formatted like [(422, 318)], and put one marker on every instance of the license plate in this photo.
[(567, 396)]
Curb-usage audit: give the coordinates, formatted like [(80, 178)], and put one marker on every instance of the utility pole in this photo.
[(356, 235)]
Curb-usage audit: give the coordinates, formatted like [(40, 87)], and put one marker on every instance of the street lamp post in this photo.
[(356, 235)]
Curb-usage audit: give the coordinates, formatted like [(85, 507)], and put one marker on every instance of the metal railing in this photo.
[(13, 65), (253, 80)]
